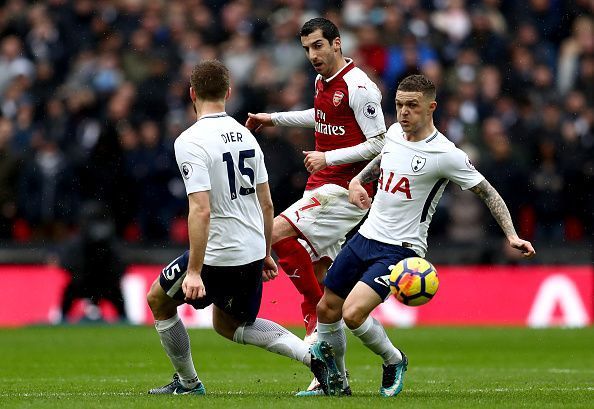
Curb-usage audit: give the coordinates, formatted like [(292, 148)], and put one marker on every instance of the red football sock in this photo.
[(296, 263)]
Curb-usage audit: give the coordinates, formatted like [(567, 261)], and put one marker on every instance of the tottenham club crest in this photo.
[(417, 163), (337, 98), (370, 110), (186, 170)]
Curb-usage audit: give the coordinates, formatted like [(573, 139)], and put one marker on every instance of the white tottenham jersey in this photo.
[(219, 155), (413, 176)]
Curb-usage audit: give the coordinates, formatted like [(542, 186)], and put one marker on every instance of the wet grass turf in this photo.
[(114, 366)]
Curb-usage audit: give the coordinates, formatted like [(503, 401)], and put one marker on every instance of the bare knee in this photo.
[(281, 229), (328, 310), (161, 305), (223, 323), (353, 316)]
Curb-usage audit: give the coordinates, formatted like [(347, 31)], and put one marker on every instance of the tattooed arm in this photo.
[(499, 210), (357, 193)]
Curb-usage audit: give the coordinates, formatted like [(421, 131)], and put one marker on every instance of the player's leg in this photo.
[(311, 333), (341, 278), (236, 308), (262, 333), (296, 262), (370, 291), (356, 309), (325, 222), (172, 332), (234, 317)]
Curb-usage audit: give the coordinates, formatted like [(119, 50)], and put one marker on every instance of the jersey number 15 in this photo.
[(245, 171)]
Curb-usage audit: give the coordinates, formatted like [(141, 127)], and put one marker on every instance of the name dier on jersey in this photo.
[(232, 137)]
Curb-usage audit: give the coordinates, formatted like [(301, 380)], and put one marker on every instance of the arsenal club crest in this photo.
[(337, 98), (417, 163)]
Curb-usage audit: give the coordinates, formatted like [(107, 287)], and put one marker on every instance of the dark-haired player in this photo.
[(349, 130)]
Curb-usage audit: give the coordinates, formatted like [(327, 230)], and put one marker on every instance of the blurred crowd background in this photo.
[(94, 93)]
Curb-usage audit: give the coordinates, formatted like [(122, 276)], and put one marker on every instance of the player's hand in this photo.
[(255, 122), (193, 287), (358, 195), (270, 271), (314, 161), (523, 245)]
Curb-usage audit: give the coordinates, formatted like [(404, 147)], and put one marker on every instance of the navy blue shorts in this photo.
[(365, 260), (237, 290)]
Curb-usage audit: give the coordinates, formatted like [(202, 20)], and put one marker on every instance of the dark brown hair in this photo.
[(329, 29), (418, 83), (210, 80)]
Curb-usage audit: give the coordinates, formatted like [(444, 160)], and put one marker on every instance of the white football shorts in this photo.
[(323, 217)]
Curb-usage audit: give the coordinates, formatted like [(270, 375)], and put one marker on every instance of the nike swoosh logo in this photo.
[(383, 280), (181, 392)]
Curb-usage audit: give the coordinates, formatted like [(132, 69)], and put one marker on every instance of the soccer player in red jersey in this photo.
[(349, 131)]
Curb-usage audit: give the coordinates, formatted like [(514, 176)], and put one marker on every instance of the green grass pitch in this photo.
[(114, 366)]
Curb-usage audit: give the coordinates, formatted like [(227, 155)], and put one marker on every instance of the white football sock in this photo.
[(334, 335), (374, 337), (175, 340), (274, 338)]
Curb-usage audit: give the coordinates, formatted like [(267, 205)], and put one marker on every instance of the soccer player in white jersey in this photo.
[(349, 131), (412, 170), (230, 222)]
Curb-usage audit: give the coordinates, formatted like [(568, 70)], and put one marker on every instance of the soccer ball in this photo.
[(413, 281)]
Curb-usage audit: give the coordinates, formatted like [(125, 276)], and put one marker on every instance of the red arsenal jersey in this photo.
[(347, 110)]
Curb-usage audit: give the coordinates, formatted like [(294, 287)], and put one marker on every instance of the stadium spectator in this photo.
[(8, 180), (47, 198), (94, 262), (573, 49), (13, 63), (154, 171), (75, 52)]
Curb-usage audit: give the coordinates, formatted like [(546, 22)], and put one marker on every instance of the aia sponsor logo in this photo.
[(394, 185)]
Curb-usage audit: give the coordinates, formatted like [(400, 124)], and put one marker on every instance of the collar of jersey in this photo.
[(215, 115), (426, 140), (348, 64)]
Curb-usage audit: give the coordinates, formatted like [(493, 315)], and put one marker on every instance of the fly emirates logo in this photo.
[(327, 129)]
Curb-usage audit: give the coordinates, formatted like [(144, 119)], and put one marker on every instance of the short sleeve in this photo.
[(262, 176), (366, 103), (456, 166), (192, 161)]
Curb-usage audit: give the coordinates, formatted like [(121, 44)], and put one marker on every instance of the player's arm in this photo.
[(315, 161), (198, 227), (500, 212), (301, 119), (357, 193), (263, 192)]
